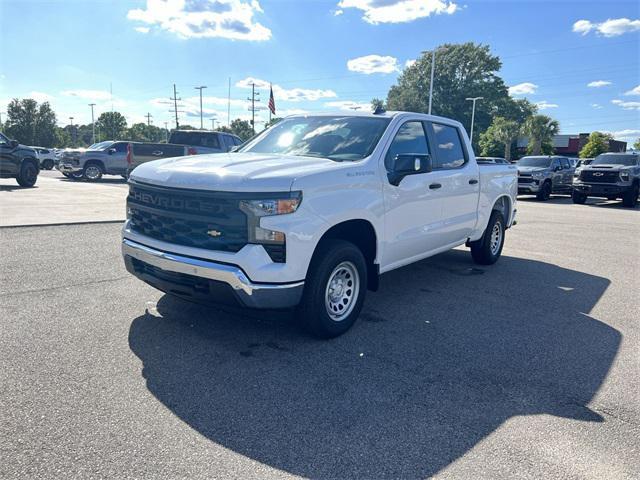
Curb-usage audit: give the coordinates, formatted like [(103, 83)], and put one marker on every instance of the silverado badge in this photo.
[(214, 233)]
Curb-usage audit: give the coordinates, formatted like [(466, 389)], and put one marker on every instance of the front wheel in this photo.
[(488, 249), (28, 175), (578, 197), (334, 290), (630, 198), (545, 192), (93, 172), (47, 164)]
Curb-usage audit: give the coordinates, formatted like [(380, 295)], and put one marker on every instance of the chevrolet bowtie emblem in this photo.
[(214, 233), (598, 174)]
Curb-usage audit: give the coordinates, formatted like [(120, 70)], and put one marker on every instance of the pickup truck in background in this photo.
[(205, 141), (104, 158), (139, 153), (609, 175), (310, 212), (543, 175), (19, 162)]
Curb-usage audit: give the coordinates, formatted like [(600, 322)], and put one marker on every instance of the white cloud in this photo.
[(526, 88), (597, 106), (349, 105), (287, 95), (612, 27), (338, 12), (399, 11), (142, 29), (373, 64), (598, 83), (40, 96), (627, 134), (88, 94), (544, 105), (232, 19), (409, 63), (627, 105), (634, 91)]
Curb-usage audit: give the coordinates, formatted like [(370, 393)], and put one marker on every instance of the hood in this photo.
[(256, 172), (523, 169)]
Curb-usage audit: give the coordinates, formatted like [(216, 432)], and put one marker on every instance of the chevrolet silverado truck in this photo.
[(543, 175), (104, 158), (310, 212), (610, 175), (19, 162)]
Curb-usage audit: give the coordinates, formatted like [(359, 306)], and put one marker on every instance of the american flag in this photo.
[(272, 102)]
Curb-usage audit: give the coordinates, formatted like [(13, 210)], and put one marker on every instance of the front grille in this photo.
[(208, 220), (525, 179), (596, 176)]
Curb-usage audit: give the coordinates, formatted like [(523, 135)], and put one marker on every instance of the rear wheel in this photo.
[(47, 164), (545, 192), (334, 290), (488, 249), (93, 172), (578, 197), (28, 174), (630, 198)]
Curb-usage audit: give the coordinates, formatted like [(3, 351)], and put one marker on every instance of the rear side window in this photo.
[(196, 139), (448, 147), (410, 139)]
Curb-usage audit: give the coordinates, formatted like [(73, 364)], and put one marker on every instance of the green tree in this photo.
[(636, 145), (112, 125), (141, 132), (540, 129), (502, 133), (271, 122), (242, 128), (30, 123), (377, 104), (598, 143), (461, 71)]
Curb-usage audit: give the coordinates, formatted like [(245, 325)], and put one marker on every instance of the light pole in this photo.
[(93, 124), (433, 68), (473, 114), (201, 87)]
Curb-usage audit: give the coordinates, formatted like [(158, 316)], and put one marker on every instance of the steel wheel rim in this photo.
[(92, 172), (31, 174), (341, 292), (496, 238)]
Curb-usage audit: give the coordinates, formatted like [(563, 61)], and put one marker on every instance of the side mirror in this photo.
[(408, 164), (111, 151), (557, 168), (235, 148), (14, 143)]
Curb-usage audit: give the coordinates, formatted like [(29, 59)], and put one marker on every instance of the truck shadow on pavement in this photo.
[(591, 202), (440, 358)]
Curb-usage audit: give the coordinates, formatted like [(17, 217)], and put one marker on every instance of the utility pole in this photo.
[(149, 117), (201, 87), (175, 104), (73, 136), (433, 67), (93, 124), (473, 114), (253, 101)]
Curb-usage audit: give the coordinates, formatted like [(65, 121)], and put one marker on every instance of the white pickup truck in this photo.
[(310, 212)]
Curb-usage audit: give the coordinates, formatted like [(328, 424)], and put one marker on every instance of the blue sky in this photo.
[(319, 55)]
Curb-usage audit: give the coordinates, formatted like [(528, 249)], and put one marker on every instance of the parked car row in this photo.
[(120, 157)]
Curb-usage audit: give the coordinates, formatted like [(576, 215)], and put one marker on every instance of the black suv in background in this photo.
[(610, 175), (19, 162)]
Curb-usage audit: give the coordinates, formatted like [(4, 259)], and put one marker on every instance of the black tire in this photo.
[(612, 197), (545, 192), (343, 263), (578, 197), (76, 175), (47, 165), (486, 251), (65, 174), (93, 171), (28, 174), (630, 197)]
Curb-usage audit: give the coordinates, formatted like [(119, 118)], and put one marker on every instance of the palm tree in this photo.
[(540, 129), (505, 131)]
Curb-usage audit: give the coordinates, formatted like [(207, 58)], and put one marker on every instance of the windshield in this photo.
[(627, 160), (539, 162), (100, 146), (336, 138)]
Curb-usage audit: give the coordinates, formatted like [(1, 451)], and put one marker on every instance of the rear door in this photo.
[(567, 170), (459, 179)]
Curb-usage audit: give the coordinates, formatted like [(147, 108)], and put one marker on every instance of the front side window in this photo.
[(120, 147), (339, 138), (3, 140), (410, 139), (450, 153), (565, 163)]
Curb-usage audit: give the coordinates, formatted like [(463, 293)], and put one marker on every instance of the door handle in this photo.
[(157, 153), (473, 181), (434, 186)]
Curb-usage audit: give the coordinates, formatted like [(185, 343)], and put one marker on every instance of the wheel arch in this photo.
[(363, 235), (503, 204), (95, 161)]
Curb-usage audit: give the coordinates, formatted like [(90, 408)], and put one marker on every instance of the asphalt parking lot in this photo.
[(526, 369)]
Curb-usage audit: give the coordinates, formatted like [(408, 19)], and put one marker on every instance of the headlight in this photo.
[(537, 174), (624, 176), (276, 206)]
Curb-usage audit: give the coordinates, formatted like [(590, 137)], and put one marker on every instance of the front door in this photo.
[(412, 208), (8, 160)]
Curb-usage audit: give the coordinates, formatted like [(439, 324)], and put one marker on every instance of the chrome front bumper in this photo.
[(246, 292)]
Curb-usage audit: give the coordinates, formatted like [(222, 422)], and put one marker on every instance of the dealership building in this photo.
[(570, 145)]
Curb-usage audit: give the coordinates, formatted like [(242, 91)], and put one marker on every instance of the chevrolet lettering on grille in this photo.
[(175, 203)]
